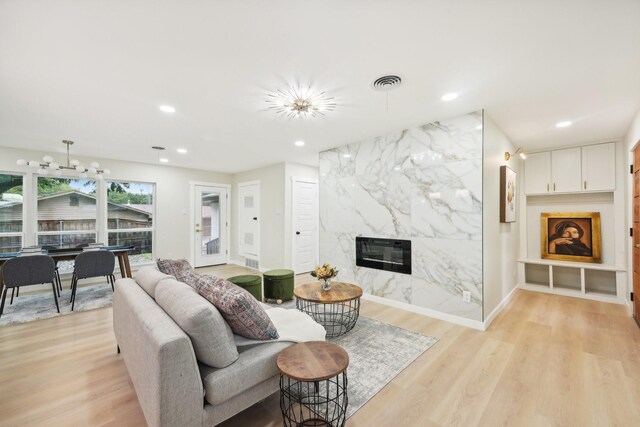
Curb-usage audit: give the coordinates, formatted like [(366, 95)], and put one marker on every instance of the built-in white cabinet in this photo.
[(537, 173), (565, 171), (599, 167), (571, 170)]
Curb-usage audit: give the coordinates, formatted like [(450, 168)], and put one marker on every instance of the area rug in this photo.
[(378, 352), (30, 307)]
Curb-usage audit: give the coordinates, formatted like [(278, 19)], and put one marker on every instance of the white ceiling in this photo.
[(96, 72)]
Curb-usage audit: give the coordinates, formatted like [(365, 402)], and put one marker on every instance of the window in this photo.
[(130, 210), (61, 222), (11, 213)]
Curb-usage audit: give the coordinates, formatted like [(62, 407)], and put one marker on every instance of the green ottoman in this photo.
[(250, 282), (278, 285)]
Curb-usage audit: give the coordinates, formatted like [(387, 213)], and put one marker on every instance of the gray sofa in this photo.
[(175, 388)]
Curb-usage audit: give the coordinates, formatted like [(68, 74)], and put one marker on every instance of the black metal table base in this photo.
[(314, 403), (338, 318)]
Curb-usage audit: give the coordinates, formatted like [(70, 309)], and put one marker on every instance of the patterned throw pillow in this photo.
[(178, 268), (239, 308)]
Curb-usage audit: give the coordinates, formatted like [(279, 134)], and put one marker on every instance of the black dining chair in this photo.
[(58, 281), (92, 264), (25, 271)]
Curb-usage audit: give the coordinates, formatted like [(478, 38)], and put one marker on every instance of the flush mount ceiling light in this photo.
[(300, 102), (508, 155), (299, 143), (449, 96), (167, 108), (47, 165), (564, 124), (182, 150)]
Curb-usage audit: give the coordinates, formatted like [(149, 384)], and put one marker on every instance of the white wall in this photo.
[(293, 170), (272, 209), (172, 222), (500, 241)]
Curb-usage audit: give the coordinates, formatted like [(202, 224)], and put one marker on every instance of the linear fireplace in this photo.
[(384, 254)]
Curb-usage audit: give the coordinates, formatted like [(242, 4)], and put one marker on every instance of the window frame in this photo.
[(36, 234), (105, 222), (22, 234)]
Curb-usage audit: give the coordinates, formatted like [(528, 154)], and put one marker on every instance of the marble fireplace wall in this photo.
[(422, 184)]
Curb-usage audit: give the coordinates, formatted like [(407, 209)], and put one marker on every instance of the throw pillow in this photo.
[(178, 268), (239, 308)]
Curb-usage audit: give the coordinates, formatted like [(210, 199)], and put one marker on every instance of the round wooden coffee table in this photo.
[(336, 309), (313, 384)]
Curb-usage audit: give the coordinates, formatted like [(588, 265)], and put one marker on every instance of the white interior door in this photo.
[(248, 219), (210, 223), (305, 225)]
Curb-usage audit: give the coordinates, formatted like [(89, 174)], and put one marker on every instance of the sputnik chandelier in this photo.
[(300, 102), (48, 166)]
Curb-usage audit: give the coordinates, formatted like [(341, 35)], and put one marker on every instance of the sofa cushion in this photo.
[(254, 365), (210, 335), (148, 278), (178, 268), (239, 308)]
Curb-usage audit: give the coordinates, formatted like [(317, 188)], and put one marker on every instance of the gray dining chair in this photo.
[(25, 271), (92, 264)]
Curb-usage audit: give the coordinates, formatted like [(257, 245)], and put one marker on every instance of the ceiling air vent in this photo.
[(386, 83)]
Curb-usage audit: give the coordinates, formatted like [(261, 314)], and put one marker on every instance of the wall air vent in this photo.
[(386, 83)]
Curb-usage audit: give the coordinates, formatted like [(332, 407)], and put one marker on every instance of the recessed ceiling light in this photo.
[(181, 151), (346, 156), (564, 124), (164, 160), (298, 143), (449, 96), (167, 109)]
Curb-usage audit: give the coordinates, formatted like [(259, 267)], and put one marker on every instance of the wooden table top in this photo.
[(339, 292), (312, 361)]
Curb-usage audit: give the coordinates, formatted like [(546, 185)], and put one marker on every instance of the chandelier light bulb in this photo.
[(54, 166), (43, 172), (300, 102), (80, 168), (47, 159), (106, 172), (95, 165), (21, 162), (91, 170), (74, 162), (34, 163)]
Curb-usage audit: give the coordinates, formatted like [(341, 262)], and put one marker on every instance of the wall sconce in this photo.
[(508, 155)]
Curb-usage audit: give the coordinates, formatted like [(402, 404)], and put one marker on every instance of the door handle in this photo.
[(637, 245), (255, 218), (297, 232), (554, 186)]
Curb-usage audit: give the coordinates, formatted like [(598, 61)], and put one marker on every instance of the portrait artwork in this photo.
[(571, 236), (507, 194)]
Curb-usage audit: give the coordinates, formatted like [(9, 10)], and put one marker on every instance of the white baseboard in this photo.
[(241, 264), (499, 308), (474, 324)]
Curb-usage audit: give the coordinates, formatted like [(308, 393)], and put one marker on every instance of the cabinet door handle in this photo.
[(554, 186), (547, 187), (637, 245), (585, 185)]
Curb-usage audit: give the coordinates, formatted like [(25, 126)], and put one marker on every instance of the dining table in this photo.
[(70, 254)]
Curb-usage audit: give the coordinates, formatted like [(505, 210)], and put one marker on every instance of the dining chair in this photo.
[(58, 281), (92, 264), (25, 271)]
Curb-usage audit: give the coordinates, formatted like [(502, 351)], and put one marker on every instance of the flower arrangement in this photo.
[(326, 271)]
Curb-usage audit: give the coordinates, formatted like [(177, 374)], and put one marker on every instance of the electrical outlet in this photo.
[(466, 296)]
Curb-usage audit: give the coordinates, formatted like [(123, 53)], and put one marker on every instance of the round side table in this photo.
[(313, 384), (336, 309)]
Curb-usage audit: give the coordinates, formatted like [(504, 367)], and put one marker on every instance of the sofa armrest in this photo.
[(159, 357)]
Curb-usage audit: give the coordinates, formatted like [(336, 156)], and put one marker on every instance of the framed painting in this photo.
[(507, 194), (571, 236)]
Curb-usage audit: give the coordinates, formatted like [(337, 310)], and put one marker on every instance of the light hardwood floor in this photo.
[(546, 360)]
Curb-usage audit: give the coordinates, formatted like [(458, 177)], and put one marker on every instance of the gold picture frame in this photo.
[(571, 236)]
